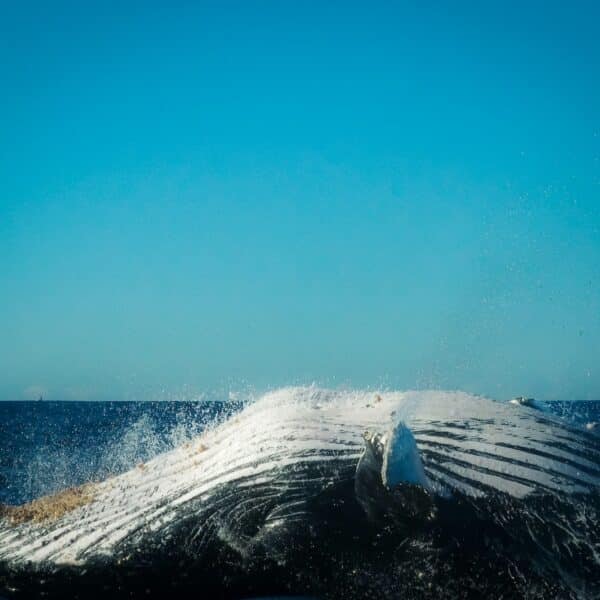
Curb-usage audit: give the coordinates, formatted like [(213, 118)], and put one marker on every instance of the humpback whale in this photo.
[(330, 494)]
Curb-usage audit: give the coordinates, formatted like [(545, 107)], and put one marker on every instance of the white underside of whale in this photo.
[(464, 443)]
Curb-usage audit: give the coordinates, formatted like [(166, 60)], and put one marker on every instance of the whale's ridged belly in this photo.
[(518, 456), (265, 464)]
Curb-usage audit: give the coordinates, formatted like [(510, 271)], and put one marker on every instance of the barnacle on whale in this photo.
[(49, 508)]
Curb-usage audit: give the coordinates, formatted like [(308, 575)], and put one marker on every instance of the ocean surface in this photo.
[(539, 546)]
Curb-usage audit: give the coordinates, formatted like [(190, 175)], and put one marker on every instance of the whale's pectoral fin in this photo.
[(390, 482)]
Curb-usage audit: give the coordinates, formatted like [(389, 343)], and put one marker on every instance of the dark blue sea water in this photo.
[(48, 446)]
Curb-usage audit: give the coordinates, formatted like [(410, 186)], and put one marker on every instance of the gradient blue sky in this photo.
[(239, 195)]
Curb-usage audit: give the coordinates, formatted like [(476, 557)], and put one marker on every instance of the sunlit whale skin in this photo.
[(290, 478)]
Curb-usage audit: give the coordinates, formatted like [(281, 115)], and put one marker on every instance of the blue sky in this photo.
[(204, 197)]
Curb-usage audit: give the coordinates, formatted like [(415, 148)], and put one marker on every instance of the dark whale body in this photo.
[(412, 511)]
